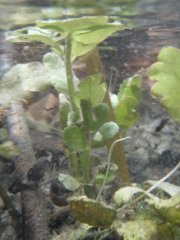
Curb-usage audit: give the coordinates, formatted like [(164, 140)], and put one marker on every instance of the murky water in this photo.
[(156, 23)]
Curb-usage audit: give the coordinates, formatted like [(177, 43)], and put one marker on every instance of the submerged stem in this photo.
[(69, 75), (85, 165), (108, 164)]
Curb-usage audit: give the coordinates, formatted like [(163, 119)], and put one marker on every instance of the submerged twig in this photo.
[(12, 211), (163, 179), (33, 211), (108, 164)]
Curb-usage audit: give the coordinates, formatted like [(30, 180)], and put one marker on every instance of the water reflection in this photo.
[(155, 24)]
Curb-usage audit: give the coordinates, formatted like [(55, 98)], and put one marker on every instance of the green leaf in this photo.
[(9, 150), (85, 40), (30, 34), (92, 212), (166, 73), (55, 68), (71, 25), (168, 208), (101, 114), (125, 194), (23, 79), (140, 229), (92, 89), (87, 32), (75, 138), (95, 34), (100, 175), (69, 182), (108, 131), (129, 97)]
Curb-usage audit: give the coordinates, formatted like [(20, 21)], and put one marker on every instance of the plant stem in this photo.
[(108, 164), (94, 65), (75, 165), (85, 165), (69, 75)]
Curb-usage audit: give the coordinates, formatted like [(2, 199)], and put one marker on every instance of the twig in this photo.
[(33, 211), (108, 164), (163, 179), (12, 211)]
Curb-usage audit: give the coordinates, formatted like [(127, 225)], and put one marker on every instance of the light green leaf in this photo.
[(166, 73), (86, 32), (69, 182), (84, 41), (31, 34), (23, 79), (92, 89), (79, 49), (75, 138), (95, 34), (108, 131), (169, 209), (139, 229), (9, 150), (125, 194), (74, 24), (129, 97), (57, 73)]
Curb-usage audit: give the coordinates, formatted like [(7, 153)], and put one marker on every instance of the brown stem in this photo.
[(33, 210), (94, 65)]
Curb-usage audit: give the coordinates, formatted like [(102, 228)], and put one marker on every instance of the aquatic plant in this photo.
[(91, 120), (92, 117)]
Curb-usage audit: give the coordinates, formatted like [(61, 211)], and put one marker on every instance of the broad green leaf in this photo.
[(69, 182), (106, 132), (166, 73), (86, 32), (92, 212), (56, 67), (23, 79), (79, 49), (95, 34), (101, 114), (129, 97), (84, 41), (75, 138), (92, 89), (74, 24), (9, 150), (35, 34)]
